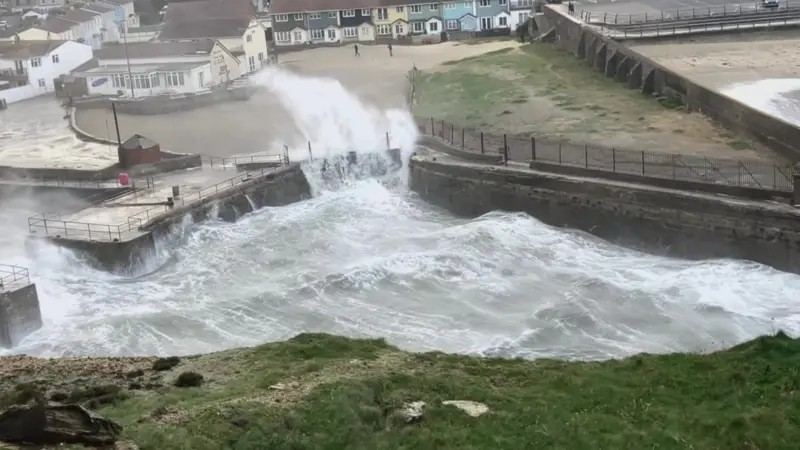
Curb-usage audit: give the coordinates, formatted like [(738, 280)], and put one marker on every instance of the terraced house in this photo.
[(298, 22)]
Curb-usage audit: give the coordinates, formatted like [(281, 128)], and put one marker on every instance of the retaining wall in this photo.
[(167, 104), (661, 221), (627, 66), (19, 315)]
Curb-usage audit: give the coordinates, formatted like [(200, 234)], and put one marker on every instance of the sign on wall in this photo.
[(99, 81)]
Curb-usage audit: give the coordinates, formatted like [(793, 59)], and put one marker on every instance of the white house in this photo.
[(123, 11), (366, 32), (109, 29), (28, 68), (160, 68), (231, 22), (38, 5), (88, 26), (433, 25)]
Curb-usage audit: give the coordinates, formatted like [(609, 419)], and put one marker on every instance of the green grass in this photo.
[(347, 394)]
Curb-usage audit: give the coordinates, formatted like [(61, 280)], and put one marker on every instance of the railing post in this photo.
[(108, 227), (774, 177), (45, 227), (441, 129), (89, 229), (505, 149), (613, 159), (462, 137), (533, 148), (388, 142), (673, 167), (642, 162), (310, 156), (451, 133), (482, 143), (433, 128), (586, 155), (559, 153)]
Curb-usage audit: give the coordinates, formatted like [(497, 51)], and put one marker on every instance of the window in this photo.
[(249, 38), (467, 5), (366, 12), (36, 62), (314, 16), (349, 13), (433, 27), (522, 17), (251, 62), (332, 15), (350, 32), (502, 21), (331, 34), (365, 30), (260, 56), (298, 36), (502, 2), (418, 27), (398, 9), (298, 16), (282, 36), (485, 3), (451, 24), (398, 29), (142, 81), (118, 80), (486, 23), (201, 80), (55, 59), (451, 5), (155, 81), (384, 29), (174, 78), (416, 8), (317, 34), (434, 7), (383, 13), (281, 18), (41, 82)]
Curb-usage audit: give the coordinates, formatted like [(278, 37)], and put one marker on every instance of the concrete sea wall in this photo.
[(627, 66), (19, 314), (657, 220)]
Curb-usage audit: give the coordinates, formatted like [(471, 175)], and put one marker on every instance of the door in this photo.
[(486, 23), (331, 34)]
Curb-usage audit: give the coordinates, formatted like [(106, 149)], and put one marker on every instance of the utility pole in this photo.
[(127, 58)]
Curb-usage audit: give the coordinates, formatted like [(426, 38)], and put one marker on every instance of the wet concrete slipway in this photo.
[(368, 258)]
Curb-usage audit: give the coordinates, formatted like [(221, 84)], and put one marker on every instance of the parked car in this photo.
[(770, 3)]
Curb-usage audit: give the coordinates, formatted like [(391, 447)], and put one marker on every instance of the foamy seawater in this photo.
[(779, 97), (371, 259)]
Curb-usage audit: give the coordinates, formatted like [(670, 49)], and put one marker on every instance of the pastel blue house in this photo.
[(455, 13)]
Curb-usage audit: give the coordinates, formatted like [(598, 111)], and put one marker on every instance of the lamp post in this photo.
[(124, 25)]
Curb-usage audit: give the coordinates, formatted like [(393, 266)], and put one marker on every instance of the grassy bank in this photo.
[(543, 90), (320, 391)]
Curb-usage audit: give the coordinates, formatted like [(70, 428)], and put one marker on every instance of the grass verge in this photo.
[(326, 392)]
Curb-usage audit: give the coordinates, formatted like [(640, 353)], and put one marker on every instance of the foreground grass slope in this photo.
[(544, 90), (327, 392)]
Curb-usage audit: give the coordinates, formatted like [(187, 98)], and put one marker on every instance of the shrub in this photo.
[(162, 364), (189, 379)]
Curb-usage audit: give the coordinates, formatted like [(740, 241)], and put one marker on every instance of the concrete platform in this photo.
[(19, 305)]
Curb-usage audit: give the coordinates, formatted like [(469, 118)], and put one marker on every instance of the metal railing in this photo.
[(93, 184), (520, 4), (726, 10), (752, 173), (15, 72), (10, 275), (55, 225), (233, 161), (640, 32)]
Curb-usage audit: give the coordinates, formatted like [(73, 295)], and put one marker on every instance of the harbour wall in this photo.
[(19, 314), (625, 65), (658, 220)]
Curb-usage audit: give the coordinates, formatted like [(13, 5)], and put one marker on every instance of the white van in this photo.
[(770, 3)]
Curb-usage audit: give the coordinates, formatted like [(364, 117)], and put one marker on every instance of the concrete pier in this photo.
[(19, 306)]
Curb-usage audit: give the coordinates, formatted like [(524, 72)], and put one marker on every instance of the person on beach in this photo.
[(355, 47), (390, 50)]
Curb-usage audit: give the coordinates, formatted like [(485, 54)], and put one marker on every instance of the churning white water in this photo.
[(778, 97), (371, 259)]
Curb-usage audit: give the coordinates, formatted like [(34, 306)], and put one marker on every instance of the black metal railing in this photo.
[(730, 172), (13, 275)]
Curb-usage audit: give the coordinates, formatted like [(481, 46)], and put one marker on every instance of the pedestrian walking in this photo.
[(571, 8), (390, 50), (355, 47)]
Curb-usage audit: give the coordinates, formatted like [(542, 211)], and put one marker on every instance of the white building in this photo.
[(37, 5), (160, 68), (232, 22), (52, 29), (109, 29), (28, 68), (88, 26), (123, 11)]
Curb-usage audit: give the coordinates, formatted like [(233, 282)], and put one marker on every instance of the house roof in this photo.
[(296, 6), (117, 2), (155, 49), (79, 16), (206, 19), (55, 25), (27, 49), (96, 8), (137, 141)]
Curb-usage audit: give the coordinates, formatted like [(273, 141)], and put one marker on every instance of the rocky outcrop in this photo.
[(56, 424)]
